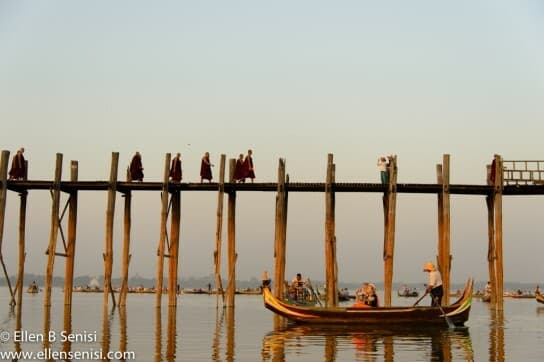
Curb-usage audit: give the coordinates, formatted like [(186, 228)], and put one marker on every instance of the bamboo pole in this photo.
[(446, 256), (491, 254), (71, 249), (330, 252), (498, 230), (174, 249), (162, 234), (127, 222), (3, 196), (219, 232), (279, 239), (231, 231), (53, 234), (22, 252), (108, 255), (389, 246), (440, 198)]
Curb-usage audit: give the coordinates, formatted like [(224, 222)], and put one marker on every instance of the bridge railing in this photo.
[(520, 172)]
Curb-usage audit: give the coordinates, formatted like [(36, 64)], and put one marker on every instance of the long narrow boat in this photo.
[(540, 298), (457, 312)]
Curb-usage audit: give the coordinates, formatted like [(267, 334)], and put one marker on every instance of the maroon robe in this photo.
[(248, 166), (175, 170), (239, 170), (205, 169), (136, 169), (18, 167)]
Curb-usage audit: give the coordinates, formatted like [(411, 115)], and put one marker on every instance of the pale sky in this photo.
[(293, 79)]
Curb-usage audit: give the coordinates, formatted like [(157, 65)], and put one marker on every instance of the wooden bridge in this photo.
[(168, 245)]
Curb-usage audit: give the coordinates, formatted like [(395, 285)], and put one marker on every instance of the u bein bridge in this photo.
[(510, 178)]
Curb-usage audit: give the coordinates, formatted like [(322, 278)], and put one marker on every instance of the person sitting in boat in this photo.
[(537, 290), (367, 295), (297, 290), (435, 284)]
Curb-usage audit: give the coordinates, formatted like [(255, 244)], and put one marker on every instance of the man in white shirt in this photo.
[(435, 284)]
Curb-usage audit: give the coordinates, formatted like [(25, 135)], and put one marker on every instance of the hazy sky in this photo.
[(293, 79)]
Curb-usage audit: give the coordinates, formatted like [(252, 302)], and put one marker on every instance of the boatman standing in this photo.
[(435, 284)]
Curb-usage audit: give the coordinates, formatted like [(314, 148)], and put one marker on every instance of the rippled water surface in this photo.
[(198, 331)]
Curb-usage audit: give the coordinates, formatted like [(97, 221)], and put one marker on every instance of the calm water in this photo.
[(197, 331)]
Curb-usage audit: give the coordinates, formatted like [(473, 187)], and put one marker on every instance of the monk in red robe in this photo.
[(175, 169), (206, 168), (18, 166), (248, 162), (239, 170), (136, 169)]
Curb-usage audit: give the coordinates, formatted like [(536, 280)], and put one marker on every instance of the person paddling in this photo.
[(435, 284)]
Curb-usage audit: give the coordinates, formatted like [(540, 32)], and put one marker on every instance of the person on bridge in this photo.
[(206, 168), (136, 169), (175, 169), (18, 166)]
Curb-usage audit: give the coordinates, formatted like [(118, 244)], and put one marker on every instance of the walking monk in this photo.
[(206, 168), (250, 169), (175, 169)]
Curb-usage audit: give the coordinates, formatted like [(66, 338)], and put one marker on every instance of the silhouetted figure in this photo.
[(239, 170), (206, 168), (175, 169), (136, 169), (248, 163), (384, 174), (18, 166)]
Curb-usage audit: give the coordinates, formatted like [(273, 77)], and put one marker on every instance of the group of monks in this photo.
[(244, 168)]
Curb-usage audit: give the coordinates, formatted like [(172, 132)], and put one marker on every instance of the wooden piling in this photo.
[(279, 235), (231, 231), (22, 253), (71, 247), (162, 234), (108, 255), (440, 219), (491, 253), (389, 239), (219, 232), (498, 230), (173, 252), (445, 258), (53, 233), (127, 221), (330, 237), (3, 196)]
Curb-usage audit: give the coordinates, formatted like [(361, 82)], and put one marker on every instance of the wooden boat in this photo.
[(486, 298), (457, 312), (407, 293), (540, 298), (33, 289)]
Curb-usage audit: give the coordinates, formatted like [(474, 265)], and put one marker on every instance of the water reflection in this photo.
[(107, 317), (496, 335), (171, 337), (216, 344), (123, 329), (67, 344), (230, 334), (158, 334), (368, 344)]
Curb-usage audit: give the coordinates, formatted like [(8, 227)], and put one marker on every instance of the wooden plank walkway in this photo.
[(414, 188)]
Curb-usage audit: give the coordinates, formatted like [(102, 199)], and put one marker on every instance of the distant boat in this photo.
[(33, 289), (407, 293)]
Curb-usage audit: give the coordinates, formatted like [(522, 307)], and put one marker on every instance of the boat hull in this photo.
[(457, 312), (540, 298)]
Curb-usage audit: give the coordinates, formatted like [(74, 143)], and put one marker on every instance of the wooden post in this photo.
[(446, 254), (389, 240), (162, 235), (126, 248), (174, 249), (22, 252), (108, 255), (498, 229), (231, 231), (330, 242), (53, 234), (171, 335), (71, 247), (279, 235), (3, 196), (219, 232), (440, 197), (491, 254)]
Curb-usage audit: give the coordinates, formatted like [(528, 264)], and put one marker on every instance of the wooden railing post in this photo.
[(108, 255), (71, 247), (279, 233), (390, 202), (162, 233), (231, 231), (219, 232)]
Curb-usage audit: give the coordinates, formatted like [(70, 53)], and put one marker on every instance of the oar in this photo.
[(420, 299), (450, 323), (313, 292)]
